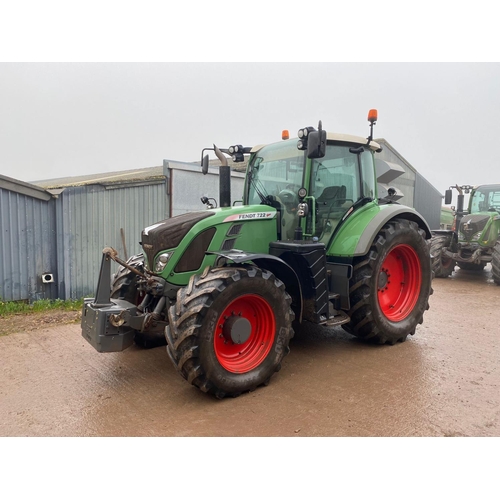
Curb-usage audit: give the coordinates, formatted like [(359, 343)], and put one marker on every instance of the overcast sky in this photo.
[(63, 119)]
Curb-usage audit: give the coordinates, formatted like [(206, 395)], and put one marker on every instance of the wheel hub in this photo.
[(237, 329), (383, 279)]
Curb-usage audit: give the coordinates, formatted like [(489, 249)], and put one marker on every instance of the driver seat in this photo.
[(332, 196)]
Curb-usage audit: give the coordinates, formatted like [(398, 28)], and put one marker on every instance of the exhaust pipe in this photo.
[(224, 179)]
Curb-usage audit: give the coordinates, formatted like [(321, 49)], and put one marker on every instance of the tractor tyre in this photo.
[(124, 286), (390, 286), (495, 263), (442, 265), (229, 329), (470, 266), (124, 282)]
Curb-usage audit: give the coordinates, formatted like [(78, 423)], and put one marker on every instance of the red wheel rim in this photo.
[(258, 316), (399, 283)]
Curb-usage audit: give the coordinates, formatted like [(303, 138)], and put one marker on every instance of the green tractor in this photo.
[(310, 242), (473, 241)]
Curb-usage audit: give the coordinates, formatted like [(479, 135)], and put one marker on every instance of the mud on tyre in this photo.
[(229, 329), (390, 287)]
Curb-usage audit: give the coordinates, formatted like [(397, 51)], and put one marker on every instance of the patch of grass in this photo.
[(21, 307)]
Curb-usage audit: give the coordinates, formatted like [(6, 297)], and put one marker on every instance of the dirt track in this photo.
[(444, 381)]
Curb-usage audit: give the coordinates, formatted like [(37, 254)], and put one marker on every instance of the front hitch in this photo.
[(100, 324)]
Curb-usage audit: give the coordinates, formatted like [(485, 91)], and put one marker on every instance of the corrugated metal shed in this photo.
[(62, 229), (188, 185), (27, 242), (92, 217)]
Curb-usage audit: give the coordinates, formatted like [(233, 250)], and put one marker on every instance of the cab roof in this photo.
[(332, 136), (488, 186)]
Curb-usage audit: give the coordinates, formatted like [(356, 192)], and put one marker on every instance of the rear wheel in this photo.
[(442, 265), (495, 263), (229, 329), (390, 287), (470, 266)]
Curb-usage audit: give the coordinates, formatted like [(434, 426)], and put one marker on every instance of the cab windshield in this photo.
[(276, 170), (486, 198), (339, 179), (274, 178)]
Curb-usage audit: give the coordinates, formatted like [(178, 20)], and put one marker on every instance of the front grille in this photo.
[(193, 256), (235, 230), (228, 244), (472, 224)]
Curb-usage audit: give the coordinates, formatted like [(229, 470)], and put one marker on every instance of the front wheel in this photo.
[(229, 329), (390, 286), (442, 265)]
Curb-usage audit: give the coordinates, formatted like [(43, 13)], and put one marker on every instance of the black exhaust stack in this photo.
[(224, 179)]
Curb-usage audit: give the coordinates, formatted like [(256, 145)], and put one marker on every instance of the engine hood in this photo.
[(169, 233)]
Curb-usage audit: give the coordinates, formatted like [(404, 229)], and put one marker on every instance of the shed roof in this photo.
[(117, 177), (25, 188)]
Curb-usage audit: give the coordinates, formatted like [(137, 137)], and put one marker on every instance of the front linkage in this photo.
[(113, 325)]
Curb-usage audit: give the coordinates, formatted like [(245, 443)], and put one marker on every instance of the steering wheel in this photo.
[(287, 196)]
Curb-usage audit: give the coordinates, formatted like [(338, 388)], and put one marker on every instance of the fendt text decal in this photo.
[(251, 216)]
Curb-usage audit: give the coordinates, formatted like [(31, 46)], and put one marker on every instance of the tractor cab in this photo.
[(332, 185)]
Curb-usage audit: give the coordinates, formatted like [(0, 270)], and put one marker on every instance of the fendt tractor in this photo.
[(310, 242), (473, 240)]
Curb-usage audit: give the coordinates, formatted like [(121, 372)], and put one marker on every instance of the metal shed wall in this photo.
[(428, 201), (27, 246), (418, 192), (91, 217), (189, 185), (405, 182)]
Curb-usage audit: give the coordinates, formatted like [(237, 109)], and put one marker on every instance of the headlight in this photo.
[(161, 261), (476, 236)]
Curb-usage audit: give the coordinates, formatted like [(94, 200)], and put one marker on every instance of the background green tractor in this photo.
[(310, 242), (473, 241)]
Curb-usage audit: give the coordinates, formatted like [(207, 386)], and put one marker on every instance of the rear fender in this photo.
[(381, 218)]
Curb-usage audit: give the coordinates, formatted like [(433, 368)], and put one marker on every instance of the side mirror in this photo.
[(204, 165), (447, 197), (316, 144)]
